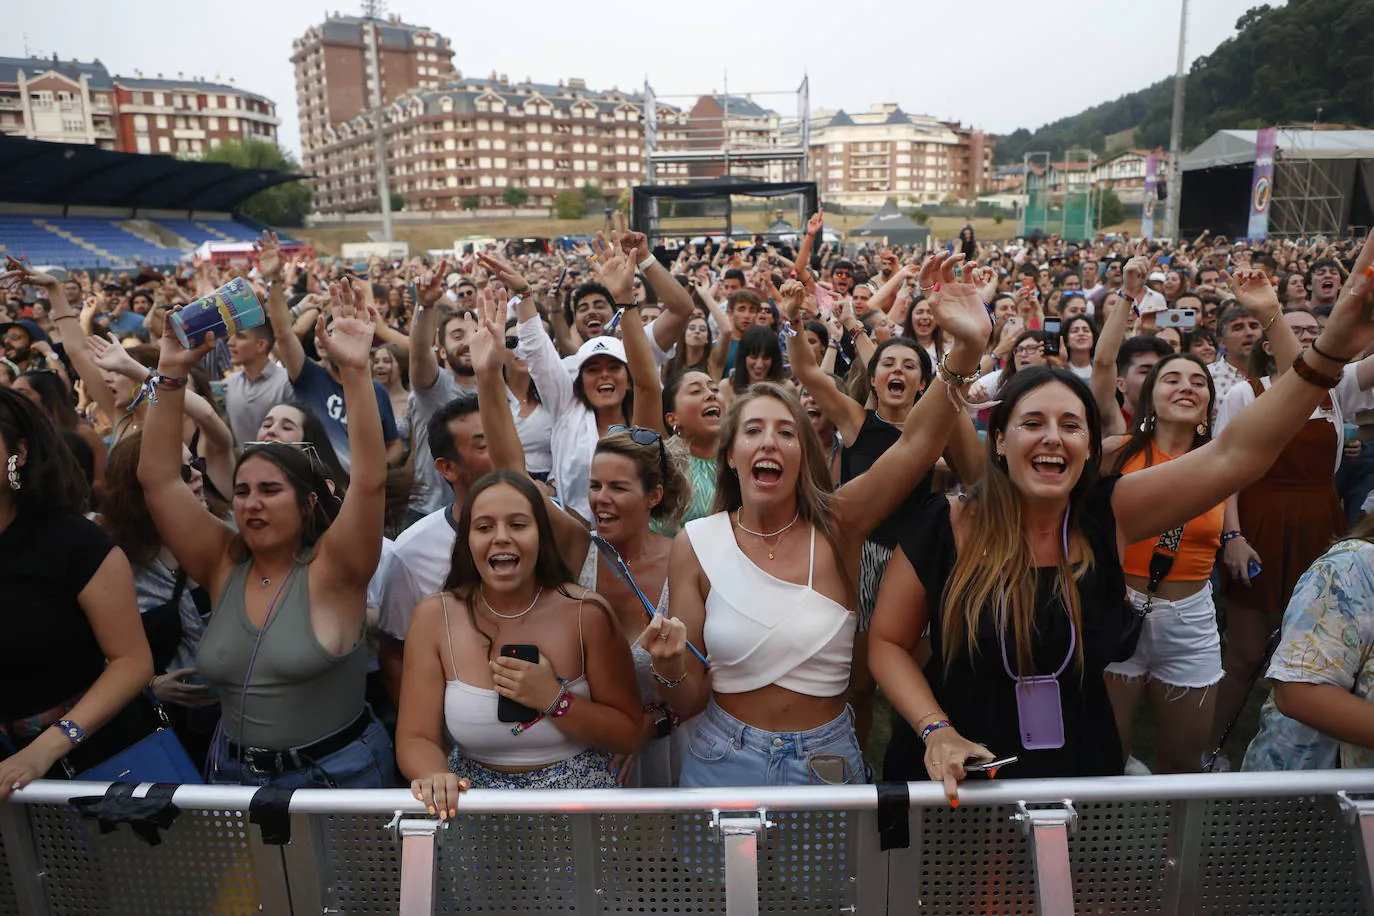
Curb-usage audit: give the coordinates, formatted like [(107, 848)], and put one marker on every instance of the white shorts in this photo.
[(1179, 642)]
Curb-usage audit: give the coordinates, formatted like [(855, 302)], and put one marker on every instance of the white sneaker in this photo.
[(1136, 768)]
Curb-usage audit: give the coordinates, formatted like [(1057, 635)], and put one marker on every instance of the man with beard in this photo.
[(27, 347), (1325, 284), (432, 387)]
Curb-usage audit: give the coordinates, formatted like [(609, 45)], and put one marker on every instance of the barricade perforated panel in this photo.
[(807, 863), (509, 864), (658, 863), (364, 865), (1285, 857), (1119, 857), (974, 860), (203, 865), (9, 904)]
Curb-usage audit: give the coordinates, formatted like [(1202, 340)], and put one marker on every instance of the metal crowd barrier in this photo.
[(1247, 844)]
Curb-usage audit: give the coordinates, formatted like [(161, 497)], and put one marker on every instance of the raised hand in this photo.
[(504, 271), (17, 272), (958, 309), (111, 356), (791, 297), (268, 250), (1252, 289), (348, 340), (431, 285), (487, 345), (635, 245), (985, 279), (616, 268), (815, 223)]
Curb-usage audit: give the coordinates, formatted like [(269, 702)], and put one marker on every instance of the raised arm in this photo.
[(886, 295), (198, 540), (1109, 345), (617, 268), (1161, 497), (846, 413), (676, 301), (353, 543), (814, 225), (867, 499), (424, 363), (289, 348)]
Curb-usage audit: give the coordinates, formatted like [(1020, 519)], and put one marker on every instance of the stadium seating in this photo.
[(28, 236)]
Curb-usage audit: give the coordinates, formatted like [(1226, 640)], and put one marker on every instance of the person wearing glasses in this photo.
[(769, 583), (632, 482), (285, 644), (1288, 517)]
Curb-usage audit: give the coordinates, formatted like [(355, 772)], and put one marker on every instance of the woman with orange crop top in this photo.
[(1177, 661)]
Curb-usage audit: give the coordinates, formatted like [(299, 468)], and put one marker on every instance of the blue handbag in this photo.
[(156, 758)]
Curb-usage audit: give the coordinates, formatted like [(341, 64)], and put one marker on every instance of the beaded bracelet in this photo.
[(933, 727)]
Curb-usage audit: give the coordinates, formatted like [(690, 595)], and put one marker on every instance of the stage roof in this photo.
[(35, 172), (1237, 147)]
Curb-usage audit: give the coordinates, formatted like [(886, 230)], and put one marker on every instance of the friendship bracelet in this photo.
[(932, 728)]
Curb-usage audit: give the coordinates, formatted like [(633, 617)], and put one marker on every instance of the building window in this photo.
[(164, 145), (141, 123)]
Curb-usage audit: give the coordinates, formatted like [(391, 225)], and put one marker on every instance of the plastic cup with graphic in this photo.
[(232, 308)]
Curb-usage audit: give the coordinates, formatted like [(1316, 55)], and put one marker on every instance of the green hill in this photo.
[(1282, 66)]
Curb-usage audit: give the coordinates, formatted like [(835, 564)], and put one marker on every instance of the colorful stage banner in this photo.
[(1147, 209), (1262, 186)]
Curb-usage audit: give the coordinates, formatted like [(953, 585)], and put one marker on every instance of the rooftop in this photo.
[(33, 66)]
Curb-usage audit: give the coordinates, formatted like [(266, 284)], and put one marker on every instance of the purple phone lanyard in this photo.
[(1073, 634)]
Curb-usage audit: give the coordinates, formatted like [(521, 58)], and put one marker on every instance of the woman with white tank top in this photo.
[(509, 590), (769, 582), (632, 480)]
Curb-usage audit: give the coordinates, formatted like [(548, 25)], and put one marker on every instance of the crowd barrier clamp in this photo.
[(1242, 843)]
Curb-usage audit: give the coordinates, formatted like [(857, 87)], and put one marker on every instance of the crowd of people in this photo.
[(626, 515)]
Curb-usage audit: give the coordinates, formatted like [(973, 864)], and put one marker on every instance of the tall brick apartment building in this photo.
[(76, 102)]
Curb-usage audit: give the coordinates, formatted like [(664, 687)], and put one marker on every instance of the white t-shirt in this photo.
[(431, 489), (1346, 398), (415, 568)]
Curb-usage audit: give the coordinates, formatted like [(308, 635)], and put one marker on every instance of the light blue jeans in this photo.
[(726, 752)]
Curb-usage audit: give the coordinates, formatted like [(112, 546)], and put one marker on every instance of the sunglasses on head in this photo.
[(306, 447), (191, 468), (639, 435)]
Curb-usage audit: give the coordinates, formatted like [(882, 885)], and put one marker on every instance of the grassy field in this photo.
[(426, 236)]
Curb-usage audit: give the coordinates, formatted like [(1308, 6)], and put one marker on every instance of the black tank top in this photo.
[(875, 437)]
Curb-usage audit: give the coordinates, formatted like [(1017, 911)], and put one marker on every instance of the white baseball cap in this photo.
[(605, 345)]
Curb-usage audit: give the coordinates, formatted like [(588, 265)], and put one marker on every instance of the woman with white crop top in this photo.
[(632, 480), (509, 587), (767, 584)]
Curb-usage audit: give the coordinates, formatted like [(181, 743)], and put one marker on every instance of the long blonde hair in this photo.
[(814, 502), (995, 571)]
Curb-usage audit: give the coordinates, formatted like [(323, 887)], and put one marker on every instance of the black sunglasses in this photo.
[(196, 464), (639, 435)]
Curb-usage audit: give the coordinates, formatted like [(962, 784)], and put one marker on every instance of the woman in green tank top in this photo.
[(284, 647)]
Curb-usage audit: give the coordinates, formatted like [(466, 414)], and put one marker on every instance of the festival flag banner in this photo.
[(1147, 209), (1262, 186)]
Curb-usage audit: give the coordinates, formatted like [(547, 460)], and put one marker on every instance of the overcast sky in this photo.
[(997, 64)]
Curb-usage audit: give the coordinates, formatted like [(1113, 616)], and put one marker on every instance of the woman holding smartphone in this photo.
[(512, 627)]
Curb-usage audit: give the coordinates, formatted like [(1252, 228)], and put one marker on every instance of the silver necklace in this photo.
[(481, 593), (764, 537)]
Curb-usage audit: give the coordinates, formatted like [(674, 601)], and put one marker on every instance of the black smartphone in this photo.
[(1052, 336), (507, 710)]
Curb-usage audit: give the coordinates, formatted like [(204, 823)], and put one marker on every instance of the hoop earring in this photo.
[(12, 470)]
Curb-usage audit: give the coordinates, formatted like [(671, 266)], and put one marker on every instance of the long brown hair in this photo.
[(995, 570), (814, 500), (123, 511), (1142, 433), (549, 569)]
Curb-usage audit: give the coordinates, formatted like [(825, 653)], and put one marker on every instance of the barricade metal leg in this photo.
[(1048, 829), (740, 835), (269, 873), (1183, 847), (417, 865), (870, 866), (25, 876), (1359, 813), (303, 859)]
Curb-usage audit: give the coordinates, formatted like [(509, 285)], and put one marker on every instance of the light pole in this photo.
[(372, 12), (1175, 178)]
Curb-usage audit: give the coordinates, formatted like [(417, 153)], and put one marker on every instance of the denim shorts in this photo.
[(726, 752), (1179, 642), (368, 762)]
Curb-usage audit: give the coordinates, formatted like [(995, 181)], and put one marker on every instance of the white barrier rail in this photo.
[(1244, 844)]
